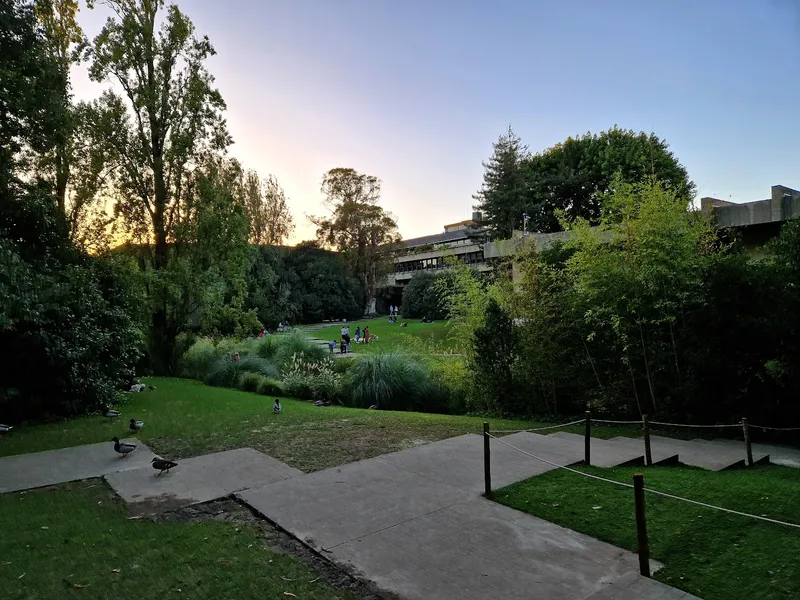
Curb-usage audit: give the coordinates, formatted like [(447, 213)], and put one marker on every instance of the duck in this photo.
[(5, 429), (374, 407), (322, 403), (112, 414), (276, 408), (162, 464), (123, 448), (136, 425)]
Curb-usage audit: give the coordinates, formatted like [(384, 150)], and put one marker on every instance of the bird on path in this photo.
[(123, 448), (276, 408), (136, 425), (112, 414), (5, 429), (162, 464)]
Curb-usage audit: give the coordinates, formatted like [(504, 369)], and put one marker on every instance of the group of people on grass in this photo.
[(361, 337)]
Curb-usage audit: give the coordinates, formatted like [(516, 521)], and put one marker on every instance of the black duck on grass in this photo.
[(135, 425)]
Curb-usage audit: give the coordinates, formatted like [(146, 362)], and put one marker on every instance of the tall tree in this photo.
[(572, 178), (168, 119), (358, 227), (63, 34), (271, 221), (504, 185)]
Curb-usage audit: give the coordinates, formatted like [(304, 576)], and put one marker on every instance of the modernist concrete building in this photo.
[(430, 252), (755, 222)]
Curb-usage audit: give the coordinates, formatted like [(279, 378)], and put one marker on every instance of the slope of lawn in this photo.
[(430, 337), (185, 418), (74, 541), (708, 553)]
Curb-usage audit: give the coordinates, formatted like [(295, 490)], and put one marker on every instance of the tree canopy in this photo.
[(571, 179), (357, 227)]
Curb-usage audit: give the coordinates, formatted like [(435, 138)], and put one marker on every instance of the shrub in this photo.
[(225, 372), (269, 386), (392, 381), (312, 381), (281, 348), (250, 382), (422, 297), (196, 362)]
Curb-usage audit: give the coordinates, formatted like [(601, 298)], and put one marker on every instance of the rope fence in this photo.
[(648, 490), (646, 425), (639, 491)]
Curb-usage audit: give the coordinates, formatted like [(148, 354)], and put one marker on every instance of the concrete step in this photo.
[(604, 453), (698, 454), (778, 455), (661, 455)]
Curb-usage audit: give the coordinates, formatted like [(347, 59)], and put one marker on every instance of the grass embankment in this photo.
[(185, 418), (75, 541), (430, 337), (711, 554)]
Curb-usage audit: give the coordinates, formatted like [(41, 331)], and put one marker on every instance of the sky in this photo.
[(416, 92)]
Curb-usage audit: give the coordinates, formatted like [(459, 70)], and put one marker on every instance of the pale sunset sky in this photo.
[(415, 92)]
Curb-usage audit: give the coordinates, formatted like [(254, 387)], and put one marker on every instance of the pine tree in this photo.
[(501, 197)]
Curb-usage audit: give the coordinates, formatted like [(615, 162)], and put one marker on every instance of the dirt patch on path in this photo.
[(274, 539)]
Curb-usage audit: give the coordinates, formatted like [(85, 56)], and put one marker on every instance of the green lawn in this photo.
[(74, 541), (185, 418), (711, 554), (429, 337)]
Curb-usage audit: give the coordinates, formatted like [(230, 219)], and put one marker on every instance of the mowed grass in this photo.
[(708, 553), (428, 337), (74, 541), (185, 418)]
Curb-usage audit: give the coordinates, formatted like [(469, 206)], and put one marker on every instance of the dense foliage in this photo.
[(66, 329), (304, 284), (572, 177), (648, 314), (423, 297)]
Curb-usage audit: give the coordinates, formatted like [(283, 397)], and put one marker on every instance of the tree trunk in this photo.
[(163, 338)]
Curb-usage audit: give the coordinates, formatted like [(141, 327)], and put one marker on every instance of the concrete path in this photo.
[(198, 479), (39, 469), (778, 455), (413, 523)]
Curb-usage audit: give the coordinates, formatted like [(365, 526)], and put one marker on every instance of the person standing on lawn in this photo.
[(366, 334)]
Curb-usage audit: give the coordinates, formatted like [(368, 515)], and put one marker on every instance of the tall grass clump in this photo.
[(196, 362), (391, 380), (225, 372), (312, 380), (281, 349)]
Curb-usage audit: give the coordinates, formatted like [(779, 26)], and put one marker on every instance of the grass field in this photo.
[(185, 418), (428, 337), (711, 554), (75, 541)]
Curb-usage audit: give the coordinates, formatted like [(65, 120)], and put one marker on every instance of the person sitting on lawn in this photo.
[(236, 356)]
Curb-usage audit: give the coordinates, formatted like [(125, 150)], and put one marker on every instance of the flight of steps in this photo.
[(717, 455)]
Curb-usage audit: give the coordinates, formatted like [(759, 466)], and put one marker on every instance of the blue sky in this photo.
[(415, 92)]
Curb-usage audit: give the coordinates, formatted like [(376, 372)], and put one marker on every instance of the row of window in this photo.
[(470, 258)]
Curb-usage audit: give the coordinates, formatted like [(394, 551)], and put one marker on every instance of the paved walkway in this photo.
[(39, 469), (413, 521)]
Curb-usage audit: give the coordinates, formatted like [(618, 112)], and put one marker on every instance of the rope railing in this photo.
[(579, 422), (696, 426), (776, 428), (648, 490)]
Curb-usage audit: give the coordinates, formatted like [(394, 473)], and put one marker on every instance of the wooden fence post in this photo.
[(588, 439), (648, 454), (746, 429), (487, 469), (641, 525)]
